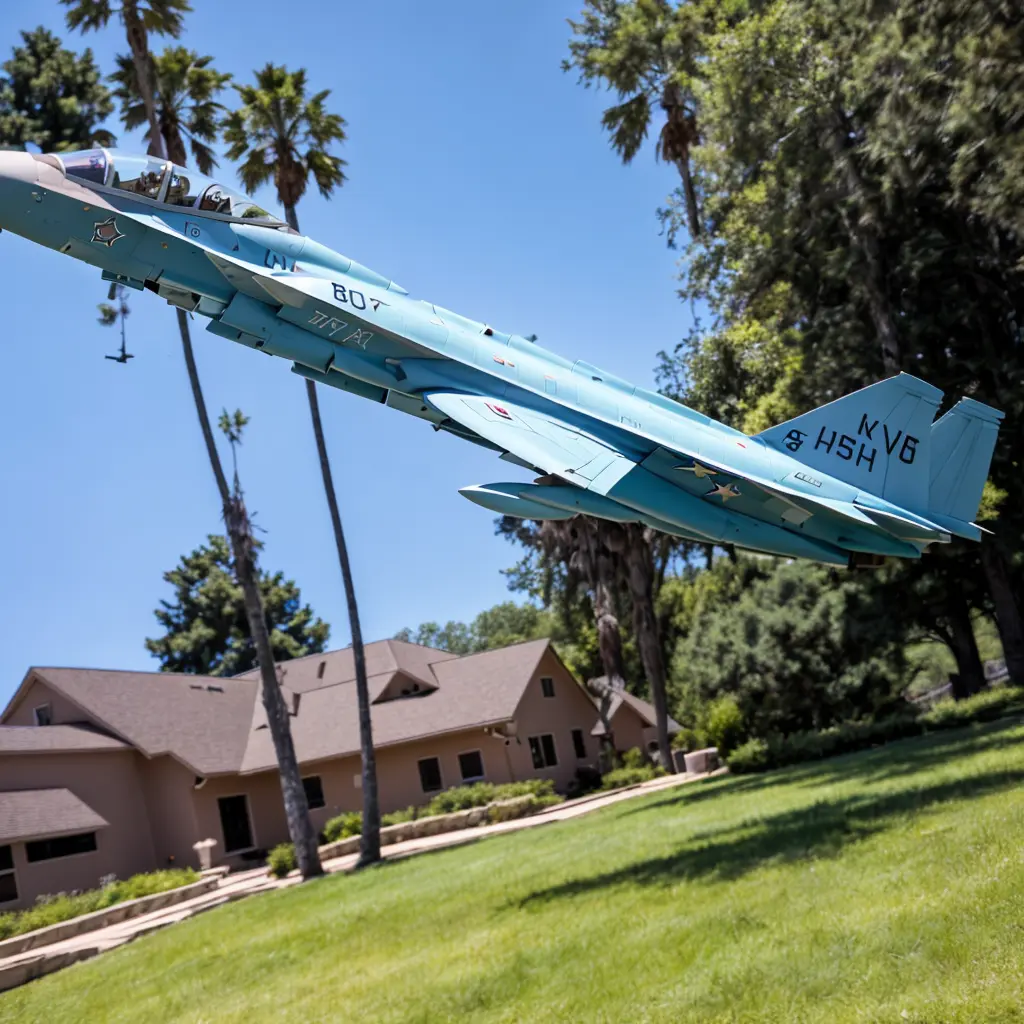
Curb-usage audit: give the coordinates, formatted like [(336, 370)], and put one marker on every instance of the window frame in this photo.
[(320, 784), (49, 714), (65, 856), (12, 871), (252, 825), (550, 680), (440, 773), (579, 743), (539, 739), (483, 767)]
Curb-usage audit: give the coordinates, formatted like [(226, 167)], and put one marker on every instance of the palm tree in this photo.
[(183, 89), (281, 134), (647, 53), (161, 17)]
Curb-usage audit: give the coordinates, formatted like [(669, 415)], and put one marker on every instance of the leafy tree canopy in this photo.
[(504, 624), (796, 645), (52, 96), (205, 628)]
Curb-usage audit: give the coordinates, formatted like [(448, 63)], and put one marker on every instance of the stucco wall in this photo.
[(109, 782), (266, 811), (569, 709), (167, 785), (62, 711)]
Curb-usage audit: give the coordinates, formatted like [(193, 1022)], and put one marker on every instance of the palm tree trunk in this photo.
[(1008, 616), (640, 577), (296, 807), (138, 43), (369, 846)]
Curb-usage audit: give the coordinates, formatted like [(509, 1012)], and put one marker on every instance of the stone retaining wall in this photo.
[(503, 810), (101, 918)]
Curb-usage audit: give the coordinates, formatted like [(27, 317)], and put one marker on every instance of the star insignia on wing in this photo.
[(724, 491), (699, 471), (106, 232)]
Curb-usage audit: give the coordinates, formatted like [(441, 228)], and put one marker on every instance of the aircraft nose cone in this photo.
[(19, 167)]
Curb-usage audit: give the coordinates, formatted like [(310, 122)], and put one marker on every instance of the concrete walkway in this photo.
[(34, 963)]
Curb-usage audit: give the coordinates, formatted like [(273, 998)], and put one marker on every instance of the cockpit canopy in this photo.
[(161, 181)]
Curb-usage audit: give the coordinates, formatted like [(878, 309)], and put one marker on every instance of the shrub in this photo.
[(725, 724), (689, 739), (398, 817), (586, 780), (982, 707), (65, 906), (635, 758), (752, 756), (282, 860), (757, 755), (344, 825), (630, 776)]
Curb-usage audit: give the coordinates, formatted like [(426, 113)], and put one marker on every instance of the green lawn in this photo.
[(882, 886)]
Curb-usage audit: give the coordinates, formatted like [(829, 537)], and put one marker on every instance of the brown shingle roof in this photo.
[(383, 658), (30, 739), (35, 813), (218, 725), (474, 691), (202, 721), (644, 709)]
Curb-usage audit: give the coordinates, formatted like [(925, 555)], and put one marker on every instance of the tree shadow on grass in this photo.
[(821, 829)]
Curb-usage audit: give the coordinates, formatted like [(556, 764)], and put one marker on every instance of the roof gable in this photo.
[(204, 722)]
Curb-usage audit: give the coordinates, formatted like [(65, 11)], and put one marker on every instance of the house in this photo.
[(110, 772)]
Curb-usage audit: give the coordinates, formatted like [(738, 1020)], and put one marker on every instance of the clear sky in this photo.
[(479, 178)]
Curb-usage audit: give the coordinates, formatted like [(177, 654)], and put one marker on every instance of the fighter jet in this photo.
[(870, 475)]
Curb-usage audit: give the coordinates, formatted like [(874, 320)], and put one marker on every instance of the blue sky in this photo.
[(479, 178)]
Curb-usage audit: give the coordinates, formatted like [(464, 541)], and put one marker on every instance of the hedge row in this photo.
[(758, 755)]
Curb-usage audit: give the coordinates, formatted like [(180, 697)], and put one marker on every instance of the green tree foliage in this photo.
[(52, 96), (858, 176), (795, 645), (282, 135), (205, 626), (186, 88), (504, 624)]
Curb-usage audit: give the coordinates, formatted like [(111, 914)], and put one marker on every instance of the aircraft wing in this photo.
[(537, 440), (546, 443)]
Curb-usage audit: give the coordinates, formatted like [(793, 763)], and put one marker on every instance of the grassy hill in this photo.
[(887, 886)]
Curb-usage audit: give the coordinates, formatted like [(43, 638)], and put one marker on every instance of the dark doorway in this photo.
[(234, 823)]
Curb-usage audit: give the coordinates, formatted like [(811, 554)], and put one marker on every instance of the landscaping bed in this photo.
[(65, 914)]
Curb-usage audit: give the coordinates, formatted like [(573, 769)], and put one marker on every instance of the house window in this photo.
[(235, 823), (41, 715), (8, 883), (314, 788), (542, 750), (547, 686), (61, 846), (430, 774), (471, 765), (578, 745)]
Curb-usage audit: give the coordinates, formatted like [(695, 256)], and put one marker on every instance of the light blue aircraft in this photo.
[(864, 477)]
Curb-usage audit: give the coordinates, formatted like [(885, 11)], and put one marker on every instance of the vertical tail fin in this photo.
[(878, 439), (962, 443)]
